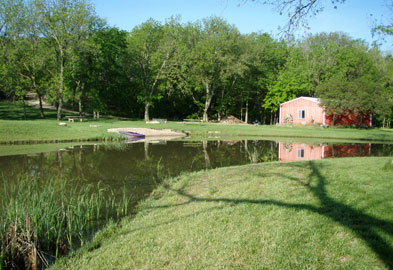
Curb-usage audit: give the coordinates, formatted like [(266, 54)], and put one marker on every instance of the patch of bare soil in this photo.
[(231, 120)]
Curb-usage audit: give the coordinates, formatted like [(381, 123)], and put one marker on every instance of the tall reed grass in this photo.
[(41, 221)]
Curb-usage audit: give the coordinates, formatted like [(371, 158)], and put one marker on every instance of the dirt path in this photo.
[(33, 101)]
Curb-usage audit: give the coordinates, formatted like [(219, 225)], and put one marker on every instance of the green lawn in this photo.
[(330, 214), (13, 129)]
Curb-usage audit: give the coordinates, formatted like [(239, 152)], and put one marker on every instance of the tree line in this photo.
[(62, 51)]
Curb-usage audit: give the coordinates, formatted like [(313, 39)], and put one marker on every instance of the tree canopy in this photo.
[(207, 69)]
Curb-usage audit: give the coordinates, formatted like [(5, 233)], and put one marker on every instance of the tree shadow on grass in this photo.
[(363, 225), (11, 111)]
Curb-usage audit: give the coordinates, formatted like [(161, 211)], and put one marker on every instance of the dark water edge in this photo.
[(140, 166), (135, 169)]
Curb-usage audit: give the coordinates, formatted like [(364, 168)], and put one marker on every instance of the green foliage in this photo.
[(15, 130), (65, 54), (50, 217), (292, 81), (152, 47), (97, 79), (357, 85)]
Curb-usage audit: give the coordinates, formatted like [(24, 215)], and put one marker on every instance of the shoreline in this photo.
[(207, 135), (207, 239)]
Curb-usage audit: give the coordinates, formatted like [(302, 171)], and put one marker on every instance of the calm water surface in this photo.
[(140, 166)]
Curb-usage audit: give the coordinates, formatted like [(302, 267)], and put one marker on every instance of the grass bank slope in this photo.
[(13, 129), (330, 214)]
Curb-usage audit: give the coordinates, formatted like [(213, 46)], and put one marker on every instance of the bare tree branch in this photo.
[(298, 11)]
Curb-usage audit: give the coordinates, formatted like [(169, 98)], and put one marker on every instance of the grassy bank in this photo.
[(35, 130), (330, 214)]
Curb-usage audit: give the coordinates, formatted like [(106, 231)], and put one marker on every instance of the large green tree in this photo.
[(152, 46), (293, 80), (12, 24), (356, 86), (266, 58), (216, 57), (64, 23), (109, 87)]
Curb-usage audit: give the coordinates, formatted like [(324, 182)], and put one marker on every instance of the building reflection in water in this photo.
[(302, 151)]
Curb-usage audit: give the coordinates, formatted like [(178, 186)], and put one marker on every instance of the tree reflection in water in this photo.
[(141, 166)]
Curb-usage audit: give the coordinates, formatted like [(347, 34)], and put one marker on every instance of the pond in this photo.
[(56, 192), (140, 166)]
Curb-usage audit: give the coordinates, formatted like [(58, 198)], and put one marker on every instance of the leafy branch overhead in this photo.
[(297, 11)]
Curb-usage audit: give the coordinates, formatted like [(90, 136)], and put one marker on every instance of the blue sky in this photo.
[(352, 17)]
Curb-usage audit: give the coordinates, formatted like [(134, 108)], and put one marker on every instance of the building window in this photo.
[(300, 153), (302, 114)]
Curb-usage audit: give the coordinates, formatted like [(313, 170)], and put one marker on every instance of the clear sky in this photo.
[(354, 17)]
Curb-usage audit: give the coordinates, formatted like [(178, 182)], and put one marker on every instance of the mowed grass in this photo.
[(330, 214), (13, 129)]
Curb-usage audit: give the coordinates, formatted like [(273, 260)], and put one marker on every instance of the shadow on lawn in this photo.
[(363, 225), (11, 111)]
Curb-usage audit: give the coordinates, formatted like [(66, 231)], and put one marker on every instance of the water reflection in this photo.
[(140, 166), (301, 151)]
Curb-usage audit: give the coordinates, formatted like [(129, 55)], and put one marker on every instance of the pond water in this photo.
[(121, 171), (140, 166)]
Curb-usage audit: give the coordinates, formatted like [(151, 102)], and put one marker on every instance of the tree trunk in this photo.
[(41, 108), (24, 108), (275, 118), (79, 89), (360, 119), (334, 119), (80, 105), (147, 117), (59, 108), (60, 101), (241, 110), (209, 96), (384, 119), (221, 112), (246, 117)]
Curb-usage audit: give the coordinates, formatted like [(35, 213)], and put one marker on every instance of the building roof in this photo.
[(316, 100)]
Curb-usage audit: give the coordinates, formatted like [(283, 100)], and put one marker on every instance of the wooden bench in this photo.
[(73, 118)]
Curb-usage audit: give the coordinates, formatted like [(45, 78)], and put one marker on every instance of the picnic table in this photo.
[(73, 118)]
